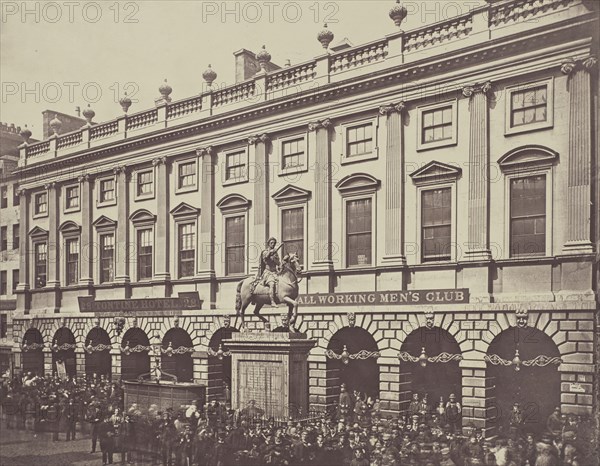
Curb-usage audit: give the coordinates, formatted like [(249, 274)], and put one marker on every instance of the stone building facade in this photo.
[(438, 185)]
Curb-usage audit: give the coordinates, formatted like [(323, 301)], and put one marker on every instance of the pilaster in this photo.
[(579, 189), (122, 252), (162, 221), (478, 247), (23, 301), (53, 280), (260, 165), (206, 245), (87, 249)]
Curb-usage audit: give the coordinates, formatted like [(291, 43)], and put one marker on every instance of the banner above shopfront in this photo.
[(385, 298), (190, 301)]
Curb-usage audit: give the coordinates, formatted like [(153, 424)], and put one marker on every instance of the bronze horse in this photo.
[(287, 291)]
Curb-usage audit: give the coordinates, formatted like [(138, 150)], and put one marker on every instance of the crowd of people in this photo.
[(356, 433)]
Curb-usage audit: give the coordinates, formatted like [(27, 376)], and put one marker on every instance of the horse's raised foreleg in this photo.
[(292, 312)]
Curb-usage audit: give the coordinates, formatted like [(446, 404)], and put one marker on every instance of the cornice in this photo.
[(400, 74)]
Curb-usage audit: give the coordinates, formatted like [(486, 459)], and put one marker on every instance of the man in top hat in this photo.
[(414, 406), (453, 413), (555, 423)]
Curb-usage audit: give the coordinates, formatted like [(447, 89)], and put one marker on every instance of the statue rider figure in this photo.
[(270, 265)]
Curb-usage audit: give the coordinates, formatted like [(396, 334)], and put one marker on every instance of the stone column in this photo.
[(579, 186), (24, 253), (87, 247), (122, 244), (206, 244), (260, 162), (322, 195), (162, 220), (54, 248), (478, 247), (394, 184)]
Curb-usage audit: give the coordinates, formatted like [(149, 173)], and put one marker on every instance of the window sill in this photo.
[(186, 189), (72, 209), (528, 128), (347, 160), (106, 203), (144, 197), (42, 215), (293, 170), (235, 181), (423, 146)]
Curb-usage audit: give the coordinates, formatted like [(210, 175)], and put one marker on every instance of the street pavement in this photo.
[(24, 448)]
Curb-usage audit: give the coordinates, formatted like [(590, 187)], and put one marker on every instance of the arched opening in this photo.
[(137, 362), (63, 352), (357, 374), (99, 360), (33, 355), (510, 386), (437, 380), (219, 366), (178, 362)]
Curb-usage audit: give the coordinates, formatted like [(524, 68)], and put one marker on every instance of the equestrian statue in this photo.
[(276, 282)]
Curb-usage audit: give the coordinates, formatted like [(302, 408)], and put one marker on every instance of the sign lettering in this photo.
[(381, 298), (184, 301)]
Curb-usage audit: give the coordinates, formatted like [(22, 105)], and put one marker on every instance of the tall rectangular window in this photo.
[(235, 244), (3, 325), (145, 183), (72, 257), (436, 124), (41, 264), (107, 190), (359, 140), (436, 224), (293, 153), (3, 282), (528, 106), (3, 238), (187, 250), (41, 203), (72, 197), (16, 196), (16, 238), (358, 232), (528, 216), (292, 232), (4, 197), (15, 279), (107, 258), (187, 174), (144, 254), (235, 166)]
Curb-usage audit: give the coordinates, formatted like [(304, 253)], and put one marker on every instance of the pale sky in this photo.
[(64, 54)]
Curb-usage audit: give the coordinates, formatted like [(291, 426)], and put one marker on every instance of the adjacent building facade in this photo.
[(440, 186)]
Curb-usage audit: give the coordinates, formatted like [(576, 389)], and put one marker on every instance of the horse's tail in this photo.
[(238, 296)]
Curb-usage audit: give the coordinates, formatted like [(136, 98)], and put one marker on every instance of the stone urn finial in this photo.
[(25, 134), (55, 124), (263, 58), (209, 75), (325, 37), (398, 13), (165, 91), (89, 114), (125, 102)]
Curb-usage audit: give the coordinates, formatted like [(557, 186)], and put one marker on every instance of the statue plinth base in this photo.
[(270, 374)]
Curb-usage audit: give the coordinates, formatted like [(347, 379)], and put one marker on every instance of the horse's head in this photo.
[(293, 262)]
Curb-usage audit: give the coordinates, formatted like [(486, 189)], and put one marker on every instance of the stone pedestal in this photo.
[(270, 373)]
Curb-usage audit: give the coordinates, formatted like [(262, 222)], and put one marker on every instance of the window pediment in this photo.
[(104, 222), (37, 232), (234, 202), (358, 183), (185, 210), (435, 172), (69, 227), (142, 216), (291, 195), (527, 157)]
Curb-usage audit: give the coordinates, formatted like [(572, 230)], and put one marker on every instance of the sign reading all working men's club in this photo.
[(190, 301), (383, 298)]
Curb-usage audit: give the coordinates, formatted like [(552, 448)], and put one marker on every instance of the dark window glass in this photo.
[(528, 216), (3, 325), (358, 232), (15, 279), (4, 197), (16, 237), (235, 244), (436, 124), (436, 223), (359, 140), (187, 250), (3, 282), (144, 238), (41, 203), (16, 196), (72, 194), (41, 261), (107, 258), (187, 174), (529, 106), (72, 270), (293, 153), (235, 166), (3, 238), (292, 222), (144, 183), (107, 190)]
